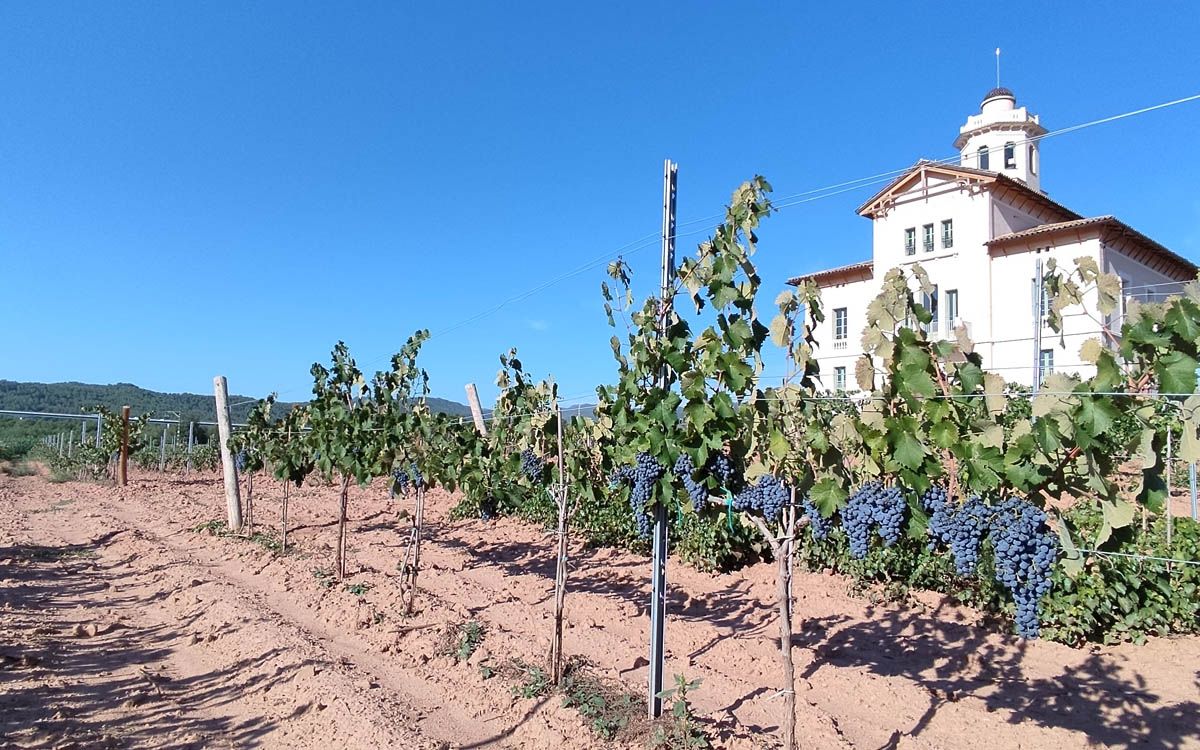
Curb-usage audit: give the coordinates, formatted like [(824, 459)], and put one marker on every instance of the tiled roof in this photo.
[(1111, 228), (865, 265), (1058, 226), (999, 91)]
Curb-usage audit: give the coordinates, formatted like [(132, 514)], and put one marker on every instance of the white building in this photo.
[(979, 228)]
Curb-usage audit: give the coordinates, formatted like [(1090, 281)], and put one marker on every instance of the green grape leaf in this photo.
[(1176, 372), (909, 452)]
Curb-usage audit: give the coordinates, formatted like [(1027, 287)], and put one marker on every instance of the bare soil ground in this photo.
[(122, 627)]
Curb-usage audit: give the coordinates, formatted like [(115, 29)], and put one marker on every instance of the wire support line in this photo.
[(1103, 553), (947, 161), (788, 201)]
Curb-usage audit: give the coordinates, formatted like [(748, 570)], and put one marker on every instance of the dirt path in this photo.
[(123, 627)]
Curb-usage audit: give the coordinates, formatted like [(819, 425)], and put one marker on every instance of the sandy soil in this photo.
[(121, 626)]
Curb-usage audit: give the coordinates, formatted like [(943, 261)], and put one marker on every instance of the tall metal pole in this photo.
[(123, 465), (658, 595), (1170, 458), (191, 442), (1037, 327), (1192, 482), (99, 425)]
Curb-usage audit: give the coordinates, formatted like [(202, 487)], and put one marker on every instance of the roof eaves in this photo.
[(832, 272)]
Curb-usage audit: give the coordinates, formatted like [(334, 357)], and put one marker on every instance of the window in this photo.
[(1010, 155), (983, 157), (951, 307), (927, 231), (910, 241), (1046, 362), (1032, 159), (840, 329), (839, 378), (930, 303), (948, 233)]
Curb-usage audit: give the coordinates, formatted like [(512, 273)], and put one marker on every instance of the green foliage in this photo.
[(463, 640), (13, 450), (608, 709), (19, 469), (1115, 598), (357, 589), (715, 542), (679, 729), (325, 578), (534, 682)]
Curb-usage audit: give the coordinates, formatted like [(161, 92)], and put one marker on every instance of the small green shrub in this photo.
[(1116, 598), (19, 469), (609, 710), (463, 641), (358, 589), (534, 681), (679, 729)]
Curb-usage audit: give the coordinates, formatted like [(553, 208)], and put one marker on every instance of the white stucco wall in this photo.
[(995, 292), (831, 353), (1010, 349)]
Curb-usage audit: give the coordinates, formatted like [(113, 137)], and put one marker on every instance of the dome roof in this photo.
[(998, 92)]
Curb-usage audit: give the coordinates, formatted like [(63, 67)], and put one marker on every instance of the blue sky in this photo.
[(193, 189)]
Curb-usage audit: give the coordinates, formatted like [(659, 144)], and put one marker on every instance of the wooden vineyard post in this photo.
[(476, 411), (343, 509), (413, 558), (560, 572), (783, 555), (233, 503), (123, 466)]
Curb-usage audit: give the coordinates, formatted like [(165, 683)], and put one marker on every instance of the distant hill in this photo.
[(74, 398)]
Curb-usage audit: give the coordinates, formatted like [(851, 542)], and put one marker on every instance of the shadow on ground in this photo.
[(70, 672)]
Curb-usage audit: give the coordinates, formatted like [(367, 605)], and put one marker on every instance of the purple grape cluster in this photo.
[(960, 526), (720, 467), (399, 483), (532, 465), (767, 496), (1025, 549), (684, 468), (643, 475), (819, 524), (871, 507), (239, 461), (414, 474)]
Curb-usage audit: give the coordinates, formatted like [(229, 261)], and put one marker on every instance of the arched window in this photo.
[(1032, 160), (1010, 155), (983, 157)]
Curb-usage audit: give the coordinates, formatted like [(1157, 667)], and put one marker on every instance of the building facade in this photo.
[(979, 228)]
